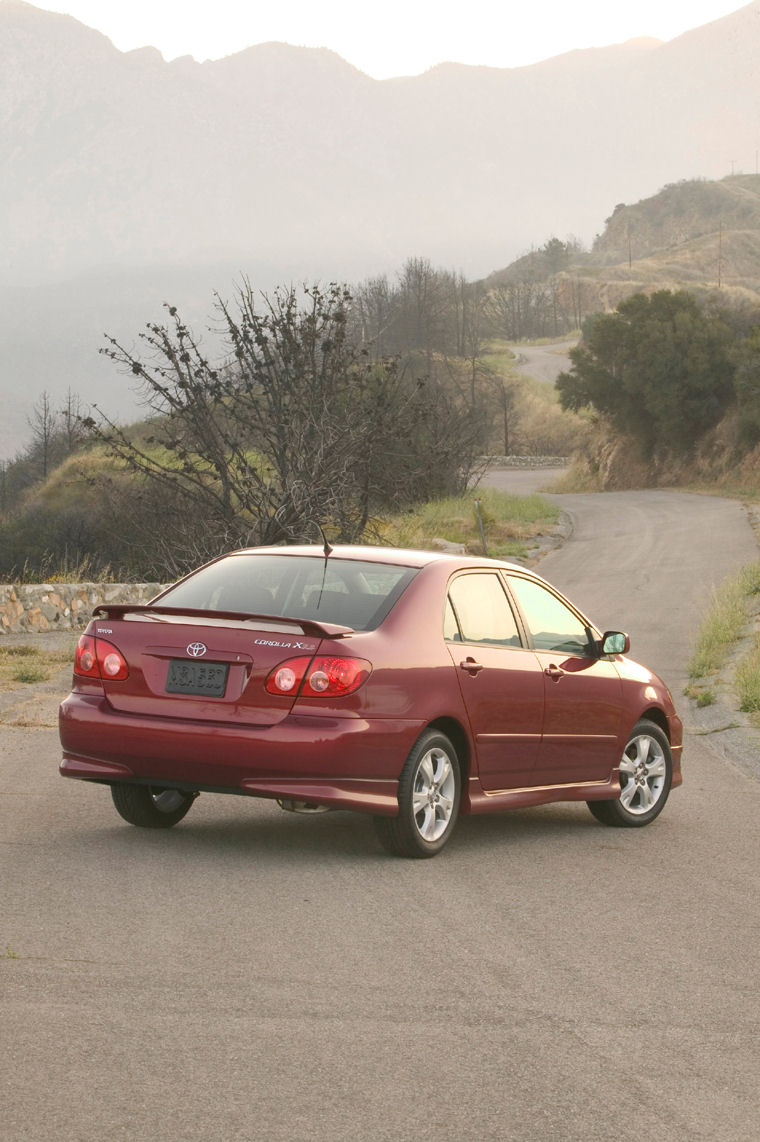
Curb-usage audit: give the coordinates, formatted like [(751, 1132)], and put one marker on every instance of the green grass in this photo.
[(499, 357), (509, 522), (31, 662), (725, 623), (702, 695), (30, 674), (721, 628), (747, 680)]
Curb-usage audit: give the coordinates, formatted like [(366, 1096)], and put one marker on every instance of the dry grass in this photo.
[(30, 662), (509, 522), (726, 622), (722, 627), (747, 680)]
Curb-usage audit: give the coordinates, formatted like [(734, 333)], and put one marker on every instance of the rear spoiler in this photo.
[(309, 626)]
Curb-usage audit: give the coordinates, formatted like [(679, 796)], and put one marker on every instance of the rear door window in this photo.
[(478, 611)]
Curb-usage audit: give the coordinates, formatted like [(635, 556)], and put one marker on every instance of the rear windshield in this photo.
[(344, 591)]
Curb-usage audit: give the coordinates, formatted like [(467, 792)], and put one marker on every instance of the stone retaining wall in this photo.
[(528, 461), (38, 607)]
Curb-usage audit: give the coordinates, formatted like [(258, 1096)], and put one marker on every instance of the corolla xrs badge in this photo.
[(197, 649)]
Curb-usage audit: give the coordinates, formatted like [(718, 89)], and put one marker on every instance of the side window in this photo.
[(552, 625), (482, 611)]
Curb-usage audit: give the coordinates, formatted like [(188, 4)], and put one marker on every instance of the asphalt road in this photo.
[(254, 975), (543, 362)]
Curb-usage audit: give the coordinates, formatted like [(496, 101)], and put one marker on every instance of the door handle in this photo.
[(471, 666), (554, 672)]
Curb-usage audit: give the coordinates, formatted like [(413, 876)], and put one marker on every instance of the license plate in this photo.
[(204, 678)]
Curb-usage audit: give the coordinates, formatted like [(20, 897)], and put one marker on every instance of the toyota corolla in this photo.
[(410, 686)]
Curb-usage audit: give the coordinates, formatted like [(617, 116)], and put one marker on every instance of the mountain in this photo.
[(127, 180)]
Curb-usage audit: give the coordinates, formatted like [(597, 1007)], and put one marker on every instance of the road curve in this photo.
[(254, 975), (542, 362), (644, 561)]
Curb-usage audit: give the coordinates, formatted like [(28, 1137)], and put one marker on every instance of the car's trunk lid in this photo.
[(205, 666)]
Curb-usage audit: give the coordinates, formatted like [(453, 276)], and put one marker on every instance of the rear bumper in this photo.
[(348, 763)]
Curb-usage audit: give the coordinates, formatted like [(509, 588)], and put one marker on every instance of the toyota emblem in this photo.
[(196, 649)]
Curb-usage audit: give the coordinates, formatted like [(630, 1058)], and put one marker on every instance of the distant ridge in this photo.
[(291, 155), (126, 179)]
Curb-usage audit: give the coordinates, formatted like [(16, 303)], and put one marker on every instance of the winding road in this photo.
[(251, 975), (542, 362)]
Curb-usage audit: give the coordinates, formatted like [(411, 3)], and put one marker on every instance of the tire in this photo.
[(429, 791), (150, 806), (646, 771)]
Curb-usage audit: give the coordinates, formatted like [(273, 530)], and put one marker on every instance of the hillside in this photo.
[(680, 213), (128, 181), (696, 234), (699, 234)]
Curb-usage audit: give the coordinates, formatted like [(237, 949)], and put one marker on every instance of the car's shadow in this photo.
[(233, 828)]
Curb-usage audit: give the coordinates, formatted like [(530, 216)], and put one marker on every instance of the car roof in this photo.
[(406, 557)]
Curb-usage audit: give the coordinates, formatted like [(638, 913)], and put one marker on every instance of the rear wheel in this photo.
[(150, 806), (429, 790), (646, 771)]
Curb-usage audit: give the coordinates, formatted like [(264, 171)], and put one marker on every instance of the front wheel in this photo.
[(646, 771), (149, 806), (429, 790)]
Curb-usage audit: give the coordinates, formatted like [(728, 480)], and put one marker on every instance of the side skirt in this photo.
[(481, 802)]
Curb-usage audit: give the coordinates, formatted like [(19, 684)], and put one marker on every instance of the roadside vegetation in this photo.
[(28, 663), (735, 606), (512, 526), (304, 410), (509, 523), (345, 408)]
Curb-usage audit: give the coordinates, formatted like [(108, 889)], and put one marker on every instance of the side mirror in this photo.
[(614, 642)]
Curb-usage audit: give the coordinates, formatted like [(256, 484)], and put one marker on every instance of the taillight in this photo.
[(96, 658), (320, 677), (86, 662), (288, 676), (336, 675)]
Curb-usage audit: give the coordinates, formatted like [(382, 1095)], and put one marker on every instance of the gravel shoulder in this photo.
[(35, 704)]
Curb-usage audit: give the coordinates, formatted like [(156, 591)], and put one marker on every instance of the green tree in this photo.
[(660, 367), (747, 384)]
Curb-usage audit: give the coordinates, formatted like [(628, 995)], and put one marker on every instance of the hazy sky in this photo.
[(391, 37)]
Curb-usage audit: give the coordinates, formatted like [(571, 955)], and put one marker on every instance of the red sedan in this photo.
[(408, 685)]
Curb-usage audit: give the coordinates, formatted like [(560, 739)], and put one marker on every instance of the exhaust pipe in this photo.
[(302, 807)]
